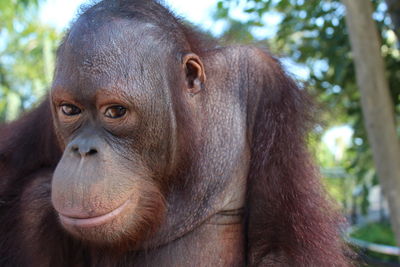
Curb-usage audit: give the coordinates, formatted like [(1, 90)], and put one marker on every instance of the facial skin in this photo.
[(113, 117)]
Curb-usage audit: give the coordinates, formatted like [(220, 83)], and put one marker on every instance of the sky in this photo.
[(59, 13)]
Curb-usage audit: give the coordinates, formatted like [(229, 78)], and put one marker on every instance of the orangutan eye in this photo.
[(115, 112), (70, 110)]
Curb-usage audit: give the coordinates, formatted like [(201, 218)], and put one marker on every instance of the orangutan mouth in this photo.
[(86, 222)]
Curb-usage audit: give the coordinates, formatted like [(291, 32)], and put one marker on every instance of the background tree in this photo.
[(377, 105), (26, 56)]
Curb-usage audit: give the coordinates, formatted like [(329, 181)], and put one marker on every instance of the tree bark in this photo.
[(377, 105)]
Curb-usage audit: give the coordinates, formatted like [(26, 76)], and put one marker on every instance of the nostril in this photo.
[(75, 149), (92, 151), (83, 151)]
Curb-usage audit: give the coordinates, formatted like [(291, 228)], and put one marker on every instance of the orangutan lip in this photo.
[(93, 221)]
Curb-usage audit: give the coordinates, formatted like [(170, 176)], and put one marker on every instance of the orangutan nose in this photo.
[(83, 151), (83, 147)]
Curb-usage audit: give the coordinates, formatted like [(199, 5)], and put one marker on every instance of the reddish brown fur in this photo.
[(288, 221), (286, 202)]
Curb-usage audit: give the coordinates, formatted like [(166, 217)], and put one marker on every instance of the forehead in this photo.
[(109, 51), (110, 37)]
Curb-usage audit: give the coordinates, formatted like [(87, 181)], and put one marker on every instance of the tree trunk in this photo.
[(377, 106)]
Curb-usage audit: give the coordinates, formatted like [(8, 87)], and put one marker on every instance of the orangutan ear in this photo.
[(195, 74)]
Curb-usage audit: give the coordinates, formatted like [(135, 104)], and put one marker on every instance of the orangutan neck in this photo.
[(217, 242)]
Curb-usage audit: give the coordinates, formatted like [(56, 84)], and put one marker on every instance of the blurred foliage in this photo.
[(379, 233), (11, 10), (313, 33), (26, 56)]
